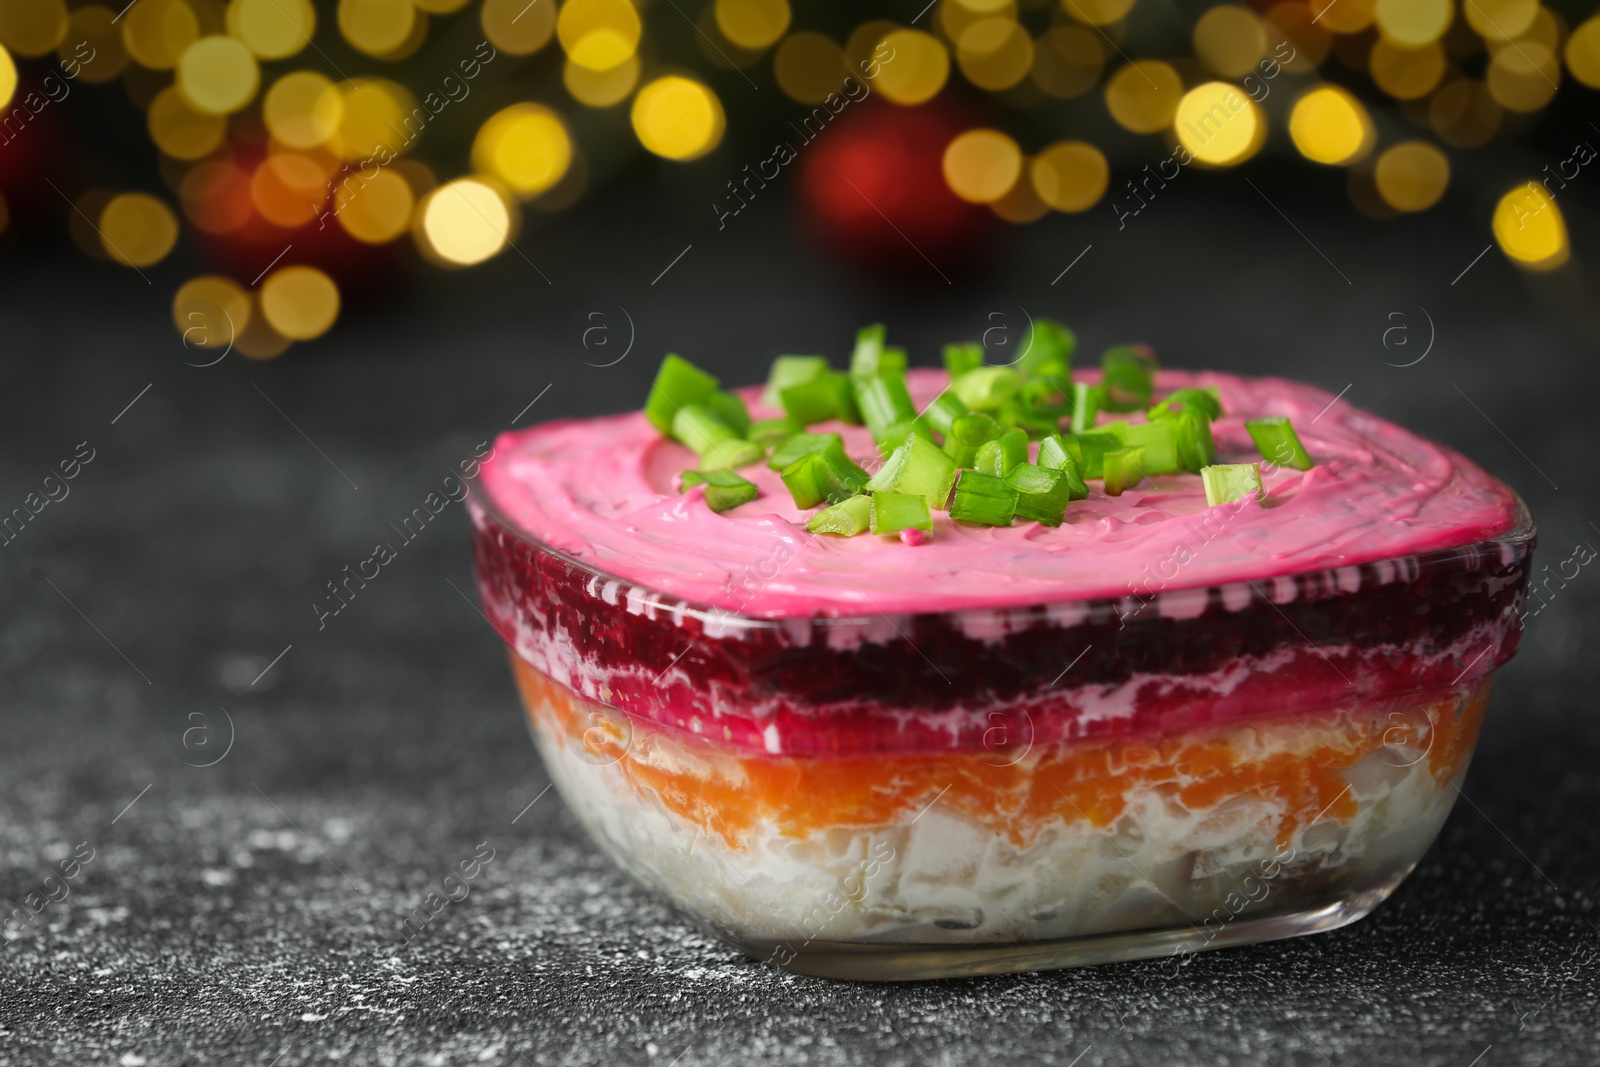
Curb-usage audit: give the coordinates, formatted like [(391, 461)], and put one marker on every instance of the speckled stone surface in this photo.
[(243, 912)]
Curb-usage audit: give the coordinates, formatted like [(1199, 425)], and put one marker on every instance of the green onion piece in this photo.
[(677, 383), (698, 427), (1048, 349), (1278, 443), (983, 498), (867, 356), (1196, 447), (844, 398), (731, 452), (769, 432), (805, 481), (892, 437), (999, 456), (942, 410), (1052, 453), (962, 357), (847, 517), (1123, 470), (826, 474), (724, 489), (1090, 449), (730, 409), (967, 432), (1228, 482), (986, 388), (1158, 439), (917, 467), (1086, 403), (1129, 377), (893, 512), (1033, 422), (1049, 391), (883, 400), (1189, 399), (1042, 493), (791, 370), (800, 444), (810, 402)]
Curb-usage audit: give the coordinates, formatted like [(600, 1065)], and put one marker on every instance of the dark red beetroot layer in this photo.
[(1336, 648)]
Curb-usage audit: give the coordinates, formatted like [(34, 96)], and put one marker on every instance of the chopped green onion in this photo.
[(1051, 392), (730, 409), (986, 388), (962, 357), (801, 444), (942, 410), (791, 370), (826, 474), (918, 467), (1278, 443), (967, 432), (1188, 400), (1042, 493), (844, 398), (872, 357), (999, 456), (769, 432), (1196, 447), (1158, 439), (1123, 469), (883, 399), (1129, 377), (724, 489), (731, 452), (847, 517), (1052, 453), (1033, 422), (893, 512), (1229, 482), (1086, 403), (892, 436), (677, 383), (810, 402), (1049, 349), (698, 427), (983, 498), (1089, 449)]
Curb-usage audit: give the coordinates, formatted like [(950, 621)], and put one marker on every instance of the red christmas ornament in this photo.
[(873, 184)]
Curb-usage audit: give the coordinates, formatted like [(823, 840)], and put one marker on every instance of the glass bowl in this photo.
[(982, 791)]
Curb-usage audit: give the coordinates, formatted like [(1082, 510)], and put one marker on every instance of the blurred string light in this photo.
[(1529, 228), (300, 303), (8, 77), (526, 146), (464, 222), (33, 27), (272, 29), (137, 230), (982, 165), (1412, 175), (1329, 125), (1219, 125), (677, 118)]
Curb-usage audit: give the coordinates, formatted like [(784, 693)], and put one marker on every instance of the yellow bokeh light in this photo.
[(1529, 228), (379, 116), (1230, 40), (598, 34), (994, 53), (1407, 73), (137, 230), (517, 27), (1464, 114), (1500, 20), (677, 118), (180, 130), (216, 197), (218, 75), (1022, 202), (8, 77), (1219, 124), (865, 41), (1328, 125), (1067, 61), (259, 340), (982, 165), (752, 24), (299, 302), (211, 311), (1344, 16), (1096, 12), (1143, 96), (601, 88), (1414, 23), (375, 210), (33, 27), (1546, 29), (808, 66), (1294, 24), (440, 7), (526, 146), (376, 27), (953, 17), (303, 109), (289, 189), (272, 29), (465, 222), (918, 71), (95, 33), (157, 32), (1070, 176), (1412, 175), (1583, 53), (1524, 77), (983, 7)]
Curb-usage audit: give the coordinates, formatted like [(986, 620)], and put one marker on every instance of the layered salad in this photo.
[(892, 672)]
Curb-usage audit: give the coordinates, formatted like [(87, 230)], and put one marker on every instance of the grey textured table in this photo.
[(242, 912)]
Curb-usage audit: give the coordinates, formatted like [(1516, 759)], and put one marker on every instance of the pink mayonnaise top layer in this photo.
[(601, 490)]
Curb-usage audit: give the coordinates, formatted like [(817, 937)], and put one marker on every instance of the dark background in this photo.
[(240, 912)]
